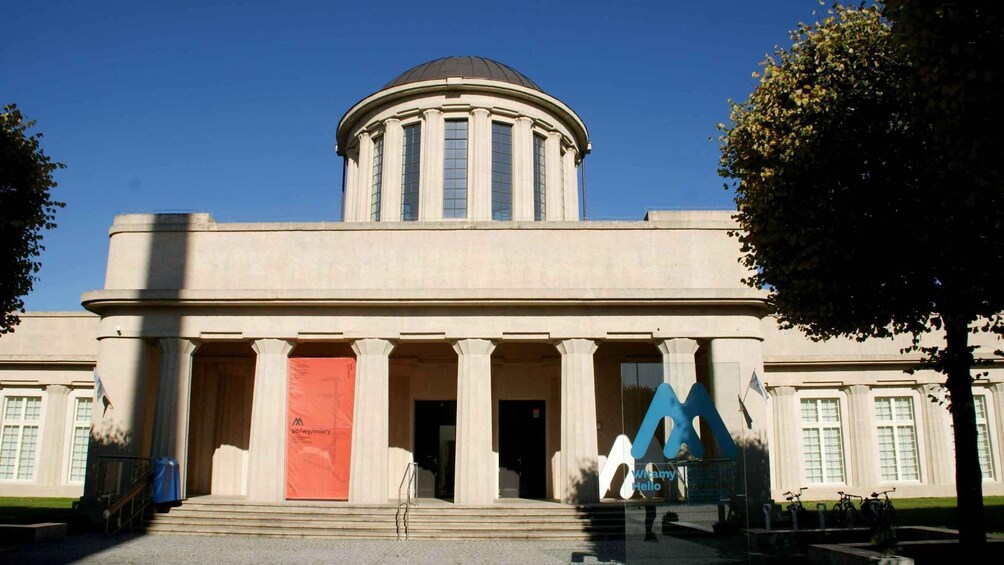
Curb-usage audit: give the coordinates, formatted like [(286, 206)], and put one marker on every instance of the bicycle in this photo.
[(878, 513), (795, 508), (844, 514)]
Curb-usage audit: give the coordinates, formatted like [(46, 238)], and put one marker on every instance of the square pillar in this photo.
[(267, 452), (51, 452), (475, 462), (579, 472), (940, 450), (861, 425), (370, 422), (786, 451), (174, 385)]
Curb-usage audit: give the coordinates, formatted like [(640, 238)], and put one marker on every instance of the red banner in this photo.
[(321, 393)]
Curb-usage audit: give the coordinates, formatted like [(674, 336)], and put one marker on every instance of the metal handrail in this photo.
[(408, 484), (136, 497)]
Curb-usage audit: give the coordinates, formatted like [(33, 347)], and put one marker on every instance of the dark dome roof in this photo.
[(465, 67)]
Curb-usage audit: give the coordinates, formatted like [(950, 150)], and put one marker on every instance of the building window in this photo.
[(983, 437), (455, 170), (822, 441), (19, 441), (410, 172), (897, 439), (501, 171), (79, 438), (377, 181), (539, 178)]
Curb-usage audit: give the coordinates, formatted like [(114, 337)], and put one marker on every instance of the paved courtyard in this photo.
[(245, 550)]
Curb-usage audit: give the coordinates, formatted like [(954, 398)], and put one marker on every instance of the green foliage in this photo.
[(866, 205), (26, 208), (870, 194)]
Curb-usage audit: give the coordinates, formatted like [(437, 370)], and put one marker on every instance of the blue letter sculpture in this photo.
[(666, 404)]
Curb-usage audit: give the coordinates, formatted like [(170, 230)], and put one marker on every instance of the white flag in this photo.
[(99, 392), (757, 386)]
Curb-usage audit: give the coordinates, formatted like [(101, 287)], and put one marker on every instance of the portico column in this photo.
[(938, 433), (479, 159), (571, 186), (733, 361), (431, 184), (50, 464), (785, 454), (579, 473), (267, 451), (474, 480), (861, 424), (370, 425), (119, 428), (553, 201), (678, 366), (522, 170), (393, 156), (170, 424)]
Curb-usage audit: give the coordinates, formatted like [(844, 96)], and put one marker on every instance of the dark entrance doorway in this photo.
[(435, 447), (522, 449)]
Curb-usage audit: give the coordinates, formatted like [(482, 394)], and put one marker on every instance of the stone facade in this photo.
[(195, 327)]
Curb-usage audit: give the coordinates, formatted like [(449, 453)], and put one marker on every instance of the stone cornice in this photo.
[(710, 220), (390, 95), (96, 300)]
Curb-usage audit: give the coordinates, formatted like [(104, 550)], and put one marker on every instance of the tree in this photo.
[(866, 208), (26, 208)]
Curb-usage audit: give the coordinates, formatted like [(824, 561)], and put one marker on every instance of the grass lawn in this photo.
[(937, 512), (23, 510)]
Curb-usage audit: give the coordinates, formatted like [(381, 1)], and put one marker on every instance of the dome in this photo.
[(464, 67)]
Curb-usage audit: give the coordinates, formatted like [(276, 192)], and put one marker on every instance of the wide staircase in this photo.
[(423, 520)]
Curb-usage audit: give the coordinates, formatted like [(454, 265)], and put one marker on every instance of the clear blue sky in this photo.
[(231, 107)]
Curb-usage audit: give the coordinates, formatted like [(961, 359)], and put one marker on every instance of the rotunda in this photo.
[(461, 138)]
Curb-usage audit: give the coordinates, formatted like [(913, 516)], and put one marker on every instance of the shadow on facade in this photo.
[(131, 364)]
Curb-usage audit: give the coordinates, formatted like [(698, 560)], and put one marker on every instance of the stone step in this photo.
[(388, 524), (443, 509), (418, 516), (431, 521), (380, 534)]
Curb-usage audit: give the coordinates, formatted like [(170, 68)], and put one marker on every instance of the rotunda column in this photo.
[(553, 201), (364, 177), (430, 191), (349, 206), (522, 170), (571, 186), (479, 160), (393, 157)]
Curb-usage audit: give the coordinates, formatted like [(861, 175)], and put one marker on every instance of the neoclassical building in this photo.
[(460, 323)]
